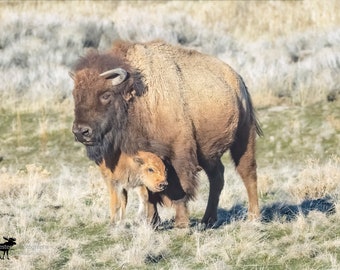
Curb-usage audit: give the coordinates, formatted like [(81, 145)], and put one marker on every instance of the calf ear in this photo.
[(138, 160)]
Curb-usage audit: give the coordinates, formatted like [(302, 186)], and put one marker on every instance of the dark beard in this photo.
[(98, 151), (113, 131), (106, 148)]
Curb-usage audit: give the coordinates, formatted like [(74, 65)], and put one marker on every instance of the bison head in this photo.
[(104, 86)]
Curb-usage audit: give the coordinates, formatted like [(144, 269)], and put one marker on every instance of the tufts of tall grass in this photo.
[(55, 203)]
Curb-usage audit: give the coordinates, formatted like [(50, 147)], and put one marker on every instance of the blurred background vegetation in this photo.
[(287, 51), (52, 197)]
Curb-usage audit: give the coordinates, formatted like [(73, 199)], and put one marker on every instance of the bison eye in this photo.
[(105, 98)]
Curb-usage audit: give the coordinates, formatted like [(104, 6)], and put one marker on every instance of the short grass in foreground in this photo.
[(56, 205)]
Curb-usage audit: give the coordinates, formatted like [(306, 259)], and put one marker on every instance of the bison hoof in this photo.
[(209, 222), (182, 222)]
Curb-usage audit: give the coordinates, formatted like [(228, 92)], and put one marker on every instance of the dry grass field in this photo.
[(52, 198)]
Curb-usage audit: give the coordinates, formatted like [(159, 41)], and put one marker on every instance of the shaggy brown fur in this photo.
[(138, 171), (176, 103)]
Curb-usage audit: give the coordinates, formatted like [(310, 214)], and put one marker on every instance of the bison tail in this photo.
[(250, 106), (259, 130)]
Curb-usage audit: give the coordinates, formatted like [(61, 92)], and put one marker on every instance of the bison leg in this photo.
[(243, 154), (123, 203), (215, 174), (152, 215), (151, 209), (186, 168), (182, 214)]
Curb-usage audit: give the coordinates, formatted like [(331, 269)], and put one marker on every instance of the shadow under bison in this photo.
[(277, 211)]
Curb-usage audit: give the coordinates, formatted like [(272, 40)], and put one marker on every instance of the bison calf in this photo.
[(141, 171)]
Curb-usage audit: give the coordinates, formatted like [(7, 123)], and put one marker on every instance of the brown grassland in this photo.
[(52, 198)]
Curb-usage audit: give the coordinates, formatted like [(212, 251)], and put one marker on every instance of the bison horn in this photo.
[(119, 73)]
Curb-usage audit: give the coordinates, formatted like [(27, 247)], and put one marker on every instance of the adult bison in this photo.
[(177, 103)]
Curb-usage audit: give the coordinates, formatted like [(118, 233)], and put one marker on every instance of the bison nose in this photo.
[(83, 133), (163, 185)]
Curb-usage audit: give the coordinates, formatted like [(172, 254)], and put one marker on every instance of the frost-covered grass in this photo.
[(53, 199), (286, 51)]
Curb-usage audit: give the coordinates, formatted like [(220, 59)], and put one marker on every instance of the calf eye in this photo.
[(151, 170)]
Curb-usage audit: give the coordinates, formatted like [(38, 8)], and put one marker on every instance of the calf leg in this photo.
[(243, 154), (113, 193), (143, 202), (114, 200), (123, 203), (215, 174)]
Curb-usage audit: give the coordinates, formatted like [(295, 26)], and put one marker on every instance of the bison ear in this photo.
[(129, 95), (117, 75), (138, 160), (72, 75)]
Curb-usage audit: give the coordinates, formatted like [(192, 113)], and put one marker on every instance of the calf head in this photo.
[(151, 170)]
